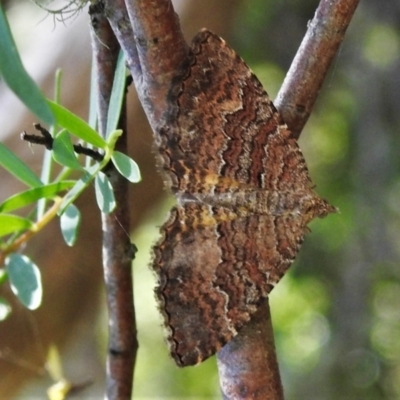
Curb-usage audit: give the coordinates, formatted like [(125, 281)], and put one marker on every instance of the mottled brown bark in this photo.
[(159, 52), (117, 259), (310, 66), (117, 248), (248, 366)]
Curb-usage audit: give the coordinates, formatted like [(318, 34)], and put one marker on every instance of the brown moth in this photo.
[(244, 201)]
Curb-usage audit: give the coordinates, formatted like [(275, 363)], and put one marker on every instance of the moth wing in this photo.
[(214, 269)]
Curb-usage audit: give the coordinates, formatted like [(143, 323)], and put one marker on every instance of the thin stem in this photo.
[(38, 226), (310, 66), (118, 251)]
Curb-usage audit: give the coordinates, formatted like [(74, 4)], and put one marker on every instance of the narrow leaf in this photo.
[(16, 77), (10, 223), (92, 119), (25, 280), (73, 124), (70, 221), (79, 186), (117, 95), (126, 166), (104, 193), (30, 196), (18, 168), (63, 151)]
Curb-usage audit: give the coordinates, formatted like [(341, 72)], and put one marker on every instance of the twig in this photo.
[(152, 63), (310, 66), (47, 140), (37, 227), (250, 357), (118, 251)]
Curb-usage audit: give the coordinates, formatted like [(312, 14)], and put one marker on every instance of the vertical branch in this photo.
[(157, 31), (105, 49), (118, 19), (118, 251), (251, 357), (159, 50)]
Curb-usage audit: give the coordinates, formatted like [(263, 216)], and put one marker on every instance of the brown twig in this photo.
[(251, 358), (47, 140), (310, 66), (151, 61), (118, 251), (117, 15)]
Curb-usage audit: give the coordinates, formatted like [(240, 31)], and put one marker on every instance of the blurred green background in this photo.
[(336, 315)]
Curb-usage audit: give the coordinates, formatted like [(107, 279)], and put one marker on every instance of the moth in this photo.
[(244, 199)]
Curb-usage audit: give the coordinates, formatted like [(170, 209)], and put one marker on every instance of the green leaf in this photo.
[(117, 95), (63, 151), (5, 309), (18, 168), (77, 126), (92, 119), (79, 186), (30, 196), (104, 193), (70, 221), (16, 77), (25, 280), (10, 223), (126, 166)]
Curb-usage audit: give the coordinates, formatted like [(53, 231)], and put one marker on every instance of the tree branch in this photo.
[(247, 365), (159, 52), (118, 251), (310, 66)]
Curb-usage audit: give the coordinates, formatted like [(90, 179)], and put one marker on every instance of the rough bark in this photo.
[(310, 66), (117, 248)]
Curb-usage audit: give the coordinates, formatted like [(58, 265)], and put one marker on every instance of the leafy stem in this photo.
[(37, 227)]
